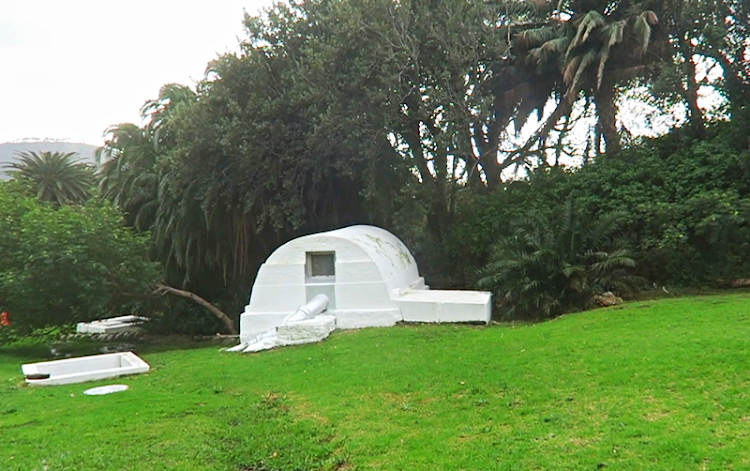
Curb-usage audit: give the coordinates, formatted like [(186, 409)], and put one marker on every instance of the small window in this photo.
[(321, 264)]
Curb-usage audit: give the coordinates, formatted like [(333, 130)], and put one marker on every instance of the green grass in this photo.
[(656, 385)]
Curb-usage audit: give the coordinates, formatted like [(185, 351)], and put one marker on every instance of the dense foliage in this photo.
[(69, 264), (550, 265), (407, 115), (685, 205), (446, 122)]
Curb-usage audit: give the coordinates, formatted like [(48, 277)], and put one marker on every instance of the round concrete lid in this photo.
[(109, 389)]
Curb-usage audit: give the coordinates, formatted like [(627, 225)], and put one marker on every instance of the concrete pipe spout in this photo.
[(310, 309)]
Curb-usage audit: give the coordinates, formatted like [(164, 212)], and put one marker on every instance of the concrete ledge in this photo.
[(88, 368), (352, 319), (113, 325), (308, 331), (446, 306)]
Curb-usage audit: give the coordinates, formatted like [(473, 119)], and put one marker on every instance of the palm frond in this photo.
[(536, 36), (588, 58), (55, 177), (587, 25), (611, 35), (642, 31), (571, 69)]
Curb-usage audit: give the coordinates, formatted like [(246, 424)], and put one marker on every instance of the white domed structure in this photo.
[(368, 275)]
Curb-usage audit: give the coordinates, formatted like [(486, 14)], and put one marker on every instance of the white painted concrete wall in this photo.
[(446, 306), (376, 283), (88, 368), (112, 325), (370, 263)]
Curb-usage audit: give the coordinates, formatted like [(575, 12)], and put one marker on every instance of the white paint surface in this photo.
[(88, 368), (446, 306), (376, 284), (290, 333), (357, 319), (109, 389), (370, 263), (310, 309), (113, 325), (307, 331)]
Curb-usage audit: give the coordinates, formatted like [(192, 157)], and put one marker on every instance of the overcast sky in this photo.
[(71, 68)]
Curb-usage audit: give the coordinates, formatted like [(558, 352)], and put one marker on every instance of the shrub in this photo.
[(68, 264), (686, 205), (555, 264)]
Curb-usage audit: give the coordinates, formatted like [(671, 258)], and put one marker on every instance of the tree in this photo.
[(128, 175), (240, 179), (705, 35), (70, 264), (409, 85), (130, 170), (366, 111), (172, 98), (592, 48), (54, 177)]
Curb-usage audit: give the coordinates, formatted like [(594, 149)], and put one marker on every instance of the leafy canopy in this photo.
[(66, 265)]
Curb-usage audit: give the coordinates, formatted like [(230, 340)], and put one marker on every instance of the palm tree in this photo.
[(552, 265), (173, 97), (54, 177), (593, 46), (130, 157), (128, 175), (137, 176)]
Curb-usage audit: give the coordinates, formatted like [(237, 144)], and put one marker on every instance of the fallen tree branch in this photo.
[(226, 320)]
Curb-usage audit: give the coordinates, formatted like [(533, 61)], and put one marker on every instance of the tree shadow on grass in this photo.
[(47, 349)]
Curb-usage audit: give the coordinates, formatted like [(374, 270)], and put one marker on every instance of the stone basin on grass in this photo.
[(81, 369)]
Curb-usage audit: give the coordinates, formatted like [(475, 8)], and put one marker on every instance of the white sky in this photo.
[(72, 68)]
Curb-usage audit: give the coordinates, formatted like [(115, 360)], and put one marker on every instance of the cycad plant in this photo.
[(556, 264)]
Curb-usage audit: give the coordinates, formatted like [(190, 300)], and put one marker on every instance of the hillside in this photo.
[(8, 151)]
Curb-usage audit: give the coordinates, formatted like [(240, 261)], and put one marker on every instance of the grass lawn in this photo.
[(655, 385)]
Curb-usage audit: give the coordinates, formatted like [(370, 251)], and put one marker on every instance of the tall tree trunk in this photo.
[(690, 91), (564, 108), (492, 171), (606, 110), (560, 143), (487, 145), (737, 78)]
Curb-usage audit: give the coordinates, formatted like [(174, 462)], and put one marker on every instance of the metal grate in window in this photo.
[(321, 264)]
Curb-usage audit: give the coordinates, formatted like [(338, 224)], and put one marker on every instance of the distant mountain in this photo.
[(8, 150)]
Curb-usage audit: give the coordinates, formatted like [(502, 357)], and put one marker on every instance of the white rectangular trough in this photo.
[(88, 368), (113, 325)]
